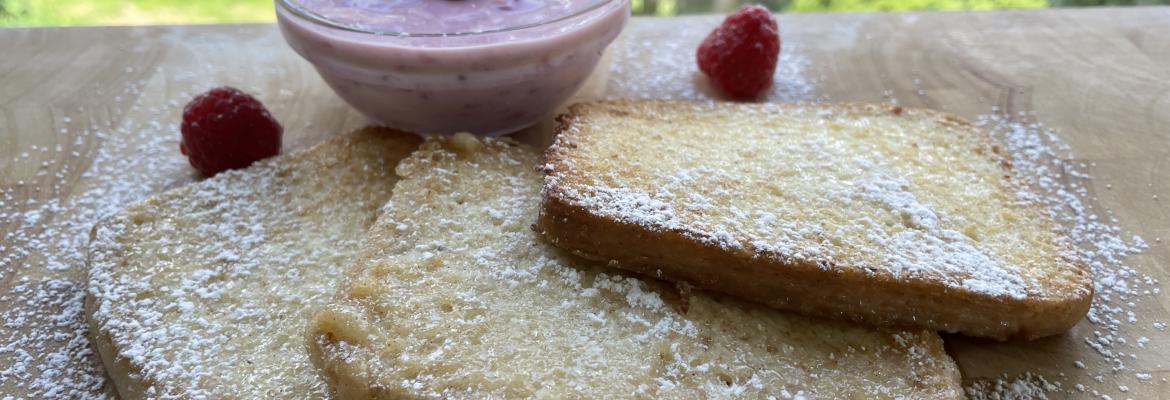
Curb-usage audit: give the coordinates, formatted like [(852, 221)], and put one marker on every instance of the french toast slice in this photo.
[(453, 295), (871, 213), (204, 291)]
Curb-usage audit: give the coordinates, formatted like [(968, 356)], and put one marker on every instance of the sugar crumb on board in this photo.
[(1027, 386)]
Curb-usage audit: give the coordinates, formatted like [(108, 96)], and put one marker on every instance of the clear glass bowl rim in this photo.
[(296, 9)]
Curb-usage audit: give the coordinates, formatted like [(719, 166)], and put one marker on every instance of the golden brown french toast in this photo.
[(204, 291), (453, 295), (880, 214)]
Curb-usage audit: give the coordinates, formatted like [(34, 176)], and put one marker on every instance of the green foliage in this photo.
[(140, 12), (1085, 3), (132, 12)]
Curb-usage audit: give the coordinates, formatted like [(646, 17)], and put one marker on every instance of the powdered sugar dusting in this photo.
[(846, 200), (951, 253), (46, 344), (1028, 386), (1041, 158), (45, 351), (925, 250), (645, 66), (204, 291), (458, 281)]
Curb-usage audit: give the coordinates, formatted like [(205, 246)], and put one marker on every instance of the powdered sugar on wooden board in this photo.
[(1040, 157), (1029, 386), (45, 349), (645, 66)]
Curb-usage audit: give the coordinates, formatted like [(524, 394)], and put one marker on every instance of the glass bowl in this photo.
[(428, 66)]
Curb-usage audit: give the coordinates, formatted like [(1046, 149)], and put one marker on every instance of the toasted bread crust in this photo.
[(820, 289), (804, 288)]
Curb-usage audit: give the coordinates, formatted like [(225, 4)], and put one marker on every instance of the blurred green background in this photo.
[(141, 12)]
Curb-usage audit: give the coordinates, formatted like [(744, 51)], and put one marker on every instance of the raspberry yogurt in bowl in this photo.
[(441, 66)]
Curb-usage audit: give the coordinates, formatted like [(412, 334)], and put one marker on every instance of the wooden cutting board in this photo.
[(107, 101)]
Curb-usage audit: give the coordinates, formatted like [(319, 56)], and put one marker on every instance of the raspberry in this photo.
[(740, 55), (227, 129)]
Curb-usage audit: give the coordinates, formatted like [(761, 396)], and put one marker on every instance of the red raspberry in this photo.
[(740, 55), (227, 129)]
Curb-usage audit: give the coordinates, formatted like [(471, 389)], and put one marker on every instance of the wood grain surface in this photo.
[(1099, 77)]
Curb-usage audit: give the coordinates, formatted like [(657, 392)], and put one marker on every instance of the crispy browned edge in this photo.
[(127, 377), (804, 287)]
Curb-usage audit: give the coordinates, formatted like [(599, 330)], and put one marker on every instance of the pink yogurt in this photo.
[(441, 66)]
